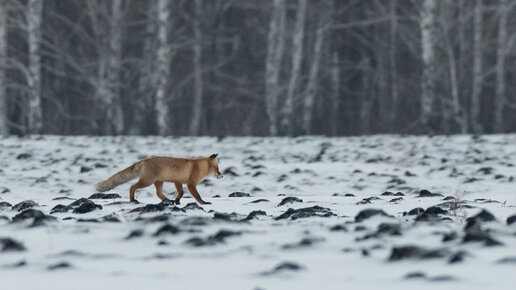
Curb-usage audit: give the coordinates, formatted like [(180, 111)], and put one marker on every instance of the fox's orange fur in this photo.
[(156, 170)]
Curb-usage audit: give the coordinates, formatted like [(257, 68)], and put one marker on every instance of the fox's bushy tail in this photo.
[(118, 178)]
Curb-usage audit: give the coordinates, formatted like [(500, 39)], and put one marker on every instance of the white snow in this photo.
[(101, 257)]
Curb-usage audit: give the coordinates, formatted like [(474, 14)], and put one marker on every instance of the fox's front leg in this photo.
[(179, 188), (196, 195)]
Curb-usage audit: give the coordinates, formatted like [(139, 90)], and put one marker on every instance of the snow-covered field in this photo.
[(332, 243)]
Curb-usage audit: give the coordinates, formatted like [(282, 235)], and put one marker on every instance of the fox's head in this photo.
[(214, 166)]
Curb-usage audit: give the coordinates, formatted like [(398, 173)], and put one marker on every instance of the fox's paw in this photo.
[(177, 202), (206, 202), (134, 201)]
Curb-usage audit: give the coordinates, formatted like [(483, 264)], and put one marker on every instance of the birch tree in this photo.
[(311, 87), (295, 73), (275, 50), (4, 122), (428, 81), (163, 67), (34, 110), (477, 67), (197, 108), (501, 53), (107, 31)]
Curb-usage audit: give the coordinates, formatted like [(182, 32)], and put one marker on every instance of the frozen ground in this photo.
[(332, 246)]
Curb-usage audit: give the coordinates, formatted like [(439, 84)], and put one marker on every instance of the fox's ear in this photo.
[(213, 156)]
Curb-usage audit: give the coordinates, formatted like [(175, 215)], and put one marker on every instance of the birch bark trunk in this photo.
[(197, 109), (501, 53), (34, 114), (275, 49), (297, 57), (4, 122), (477, 67), (428, 82), (311, 88), (163, 68), (114, 60)]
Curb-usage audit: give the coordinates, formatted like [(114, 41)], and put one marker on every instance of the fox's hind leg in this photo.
[(140, 184), (159, 189), (179, 188)]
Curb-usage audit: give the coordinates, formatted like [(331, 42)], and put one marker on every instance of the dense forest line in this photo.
[(247, 67)]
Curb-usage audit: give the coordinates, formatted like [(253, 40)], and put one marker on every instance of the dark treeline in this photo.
[(248, 67)]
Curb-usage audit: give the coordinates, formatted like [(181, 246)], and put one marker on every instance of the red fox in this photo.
[(156, 170)]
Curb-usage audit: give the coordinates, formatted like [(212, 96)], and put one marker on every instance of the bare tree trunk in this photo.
[(297, 57), (366, 101), (4, 122), (275, 49), (147, 82), (392, 63), (35, 114), (501, 53), (428, 82), (311, 88), (197, 109), (335, 96), (477, 68), (163, 68), (114, 61)]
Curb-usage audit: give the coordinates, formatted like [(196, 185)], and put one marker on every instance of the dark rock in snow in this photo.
[(167, 229), (192, 206), (163, 205), (62, 198), (112, 218), (10, 245), (415, 252), (38, 217), (283, 267), (415, 275), (426, 193), (349, 195), (314, 211), (305, 242), (99, 195), (60, 208), (507, 260), (4, 204), (486, 170), (431, 214), (25, 205), (449, 237), (483, 216), (86, 169), (260, 200), (254, 214), (219, 237), (457, 257), (230, 171), (394, 200), (480, 236), (367, 213), (134, 234), (387, 193), (59, 266), (290, 199), (415, 211), (339, 228), (225, 216), (24, 156), (239, 194), (86, 206), (511, 220)]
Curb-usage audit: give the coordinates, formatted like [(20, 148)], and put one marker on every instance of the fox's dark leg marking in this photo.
[(179, 188)]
